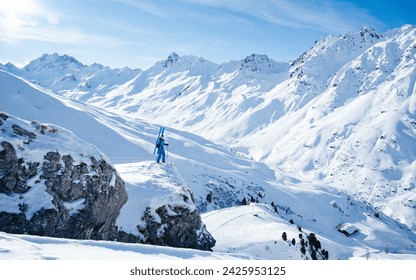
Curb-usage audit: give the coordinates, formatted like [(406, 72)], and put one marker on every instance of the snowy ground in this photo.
[(27, 247), (255, 230)]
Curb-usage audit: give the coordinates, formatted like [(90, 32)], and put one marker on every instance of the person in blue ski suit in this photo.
[(160, 145)]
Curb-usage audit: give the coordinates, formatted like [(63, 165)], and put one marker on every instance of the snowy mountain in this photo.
[(358, 133), (62, 73), (323, 145), (178, 90)]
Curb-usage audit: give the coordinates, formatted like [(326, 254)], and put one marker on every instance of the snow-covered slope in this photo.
[(187, 92), (257, 230), (26, 247), (30, 102)]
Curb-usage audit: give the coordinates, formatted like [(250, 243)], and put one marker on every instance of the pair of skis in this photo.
[(161, 131)]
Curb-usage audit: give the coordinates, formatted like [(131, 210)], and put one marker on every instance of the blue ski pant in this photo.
[(160, 154)]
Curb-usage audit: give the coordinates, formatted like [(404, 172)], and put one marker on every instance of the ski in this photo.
[(161, 131)]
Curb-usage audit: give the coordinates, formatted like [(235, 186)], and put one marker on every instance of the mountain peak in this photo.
[(10, 66), (56, 57), (257, 62), (53, 61), (258, 58), (408, 27), (172, 59), (368, 30)]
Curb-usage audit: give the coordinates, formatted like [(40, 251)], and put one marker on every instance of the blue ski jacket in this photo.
[(160, 145)]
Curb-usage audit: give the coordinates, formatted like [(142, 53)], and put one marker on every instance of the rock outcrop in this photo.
[(161, 209), (53, 184), (176, 226)]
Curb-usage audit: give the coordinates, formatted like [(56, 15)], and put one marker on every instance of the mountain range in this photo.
[(328, 138)]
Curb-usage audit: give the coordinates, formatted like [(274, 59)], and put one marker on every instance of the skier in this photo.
[(160, 145)]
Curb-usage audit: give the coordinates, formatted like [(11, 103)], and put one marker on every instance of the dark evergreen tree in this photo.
[(284, 236), (311, 237), (244, 202), (325, 254), (293, 241), (303, 250), (317, 245), (313, 255)]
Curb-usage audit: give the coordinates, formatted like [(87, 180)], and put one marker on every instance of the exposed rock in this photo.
[(56, 195), (13, 172), (172, 226), (3, 116), (177, 226), (23, 132), (86, 202)]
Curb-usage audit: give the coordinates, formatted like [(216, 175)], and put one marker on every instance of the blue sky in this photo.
[(137, 33)]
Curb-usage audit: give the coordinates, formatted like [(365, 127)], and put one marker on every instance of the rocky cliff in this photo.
[(161, 209), (176, 226), (53, 184)]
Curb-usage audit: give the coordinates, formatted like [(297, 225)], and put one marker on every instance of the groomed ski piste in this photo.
[(252, 231)]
